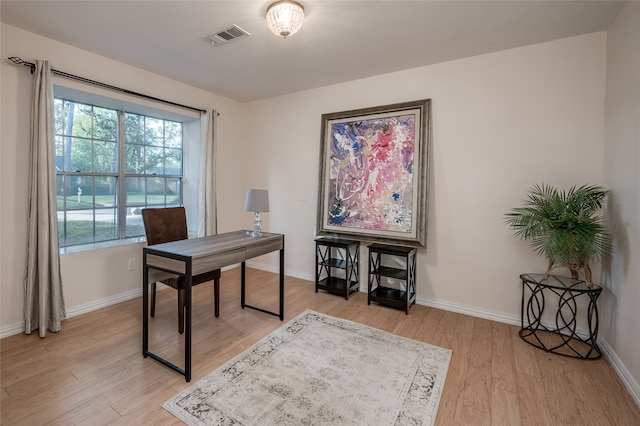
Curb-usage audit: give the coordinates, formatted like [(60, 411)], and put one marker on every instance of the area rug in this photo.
[(321, 370)]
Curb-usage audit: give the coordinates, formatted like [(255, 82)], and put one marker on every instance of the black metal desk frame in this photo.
[(210, 253), (568, 291)]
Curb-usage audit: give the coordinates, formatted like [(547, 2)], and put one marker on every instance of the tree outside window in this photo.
[(109, 165)]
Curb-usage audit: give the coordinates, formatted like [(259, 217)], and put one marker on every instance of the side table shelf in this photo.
[(393, 286), (566, 300), (337, 266)]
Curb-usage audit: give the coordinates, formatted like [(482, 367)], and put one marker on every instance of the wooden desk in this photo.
[(196, 256)]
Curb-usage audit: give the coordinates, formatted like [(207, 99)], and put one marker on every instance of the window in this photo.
[(110, 164)]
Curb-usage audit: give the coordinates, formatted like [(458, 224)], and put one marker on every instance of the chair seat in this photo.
[(178, 281)]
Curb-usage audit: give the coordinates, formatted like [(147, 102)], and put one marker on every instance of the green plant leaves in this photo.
[(563, 226)]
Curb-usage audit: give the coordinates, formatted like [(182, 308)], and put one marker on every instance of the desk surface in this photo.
[(213, 244), (210, 253)]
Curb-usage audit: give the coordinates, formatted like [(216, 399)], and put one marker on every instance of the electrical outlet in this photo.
[(131, 266)]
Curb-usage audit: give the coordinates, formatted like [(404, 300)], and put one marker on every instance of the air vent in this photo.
[(224, 36)]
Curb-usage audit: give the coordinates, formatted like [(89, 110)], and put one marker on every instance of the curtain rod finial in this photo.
[(18, 61)]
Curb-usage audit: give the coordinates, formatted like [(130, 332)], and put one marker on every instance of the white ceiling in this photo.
[(340, 40)]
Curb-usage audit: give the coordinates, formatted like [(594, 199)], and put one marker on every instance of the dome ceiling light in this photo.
[(285, 17)]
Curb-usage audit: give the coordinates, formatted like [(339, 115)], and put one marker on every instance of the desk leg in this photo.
[(281, 295), (145, 307), (242, 285), (216, 297), (282, 283), (187, 319)]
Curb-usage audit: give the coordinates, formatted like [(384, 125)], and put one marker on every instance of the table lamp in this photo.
[(257, 201)]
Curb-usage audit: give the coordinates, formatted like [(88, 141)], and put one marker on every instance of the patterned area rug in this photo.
[(321, 370)]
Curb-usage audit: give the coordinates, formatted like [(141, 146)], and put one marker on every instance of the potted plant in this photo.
[(564, 226)]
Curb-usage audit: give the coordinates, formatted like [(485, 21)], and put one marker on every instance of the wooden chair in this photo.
[(163, 225)]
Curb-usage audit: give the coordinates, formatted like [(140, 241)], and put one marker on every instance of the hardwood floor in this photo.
[(93, 372)]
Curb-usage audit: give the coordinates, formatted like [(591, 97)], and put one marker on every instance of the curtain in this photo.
[(207, 220), (43, 299)]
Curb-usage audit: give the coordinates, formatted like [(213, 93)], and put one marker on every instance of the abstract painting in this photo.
[(373, 173)]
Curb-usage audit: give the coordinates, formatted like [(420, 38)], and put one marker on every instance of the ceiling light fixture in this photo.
[(285, 17)]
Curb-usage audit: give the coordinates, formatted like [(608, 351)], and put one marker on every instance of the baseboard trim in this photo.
[(18, 328), (627, 379), (103, 303), (11, 330), (469, 310), (276, 270), (621, 370)]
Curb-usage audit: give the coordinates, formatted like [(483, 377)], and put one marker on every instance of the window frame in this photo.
[(121, 205)]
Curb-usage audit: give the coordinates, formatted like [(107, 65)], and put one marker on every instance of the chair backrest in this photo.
[(165, 224)]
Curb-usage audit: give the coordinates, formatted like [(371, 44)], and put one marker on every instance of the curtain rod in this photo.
[(16, 60)]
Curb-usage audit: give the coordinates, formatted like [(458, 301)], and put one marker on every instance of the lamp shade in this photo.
[(285, 17), (257, 200)]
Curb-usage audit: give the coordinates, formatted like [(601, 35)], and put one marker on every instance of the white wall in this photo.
[(95, 277), (501, 123), (621, 316)]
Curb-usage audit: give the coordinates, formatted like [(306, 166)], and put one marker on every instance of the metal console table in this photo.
[(561, 338)]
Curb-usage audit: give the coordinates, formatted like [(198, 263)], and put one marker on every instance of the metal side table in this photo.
[(565, 299)]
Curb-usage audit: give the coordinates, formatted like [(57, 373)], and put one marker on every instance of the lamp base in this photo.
[(257, 232)]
